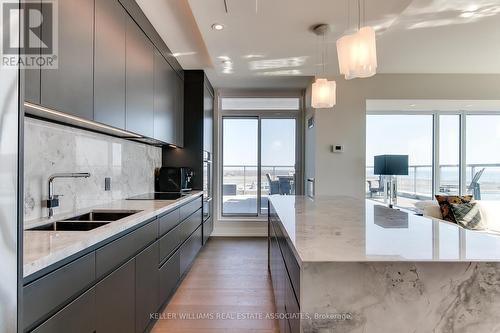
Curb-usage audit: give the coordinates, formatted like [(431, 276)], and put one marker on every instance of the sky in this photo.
[(240, 141), (412, 135)]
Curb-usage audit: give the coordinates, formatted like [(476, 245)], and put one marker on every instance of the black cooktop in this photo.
[(158, 196)]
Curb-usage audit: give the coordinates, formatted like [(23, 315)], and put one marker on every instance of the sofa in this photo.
[(490, 212)]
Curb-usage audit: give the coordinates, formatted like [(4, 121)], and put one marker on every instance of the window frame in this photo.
[(435, 141), (300, 131)]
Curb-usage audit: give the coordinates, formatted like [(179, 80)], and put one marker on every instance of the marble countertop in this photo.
[(44, 248), (345, 229)]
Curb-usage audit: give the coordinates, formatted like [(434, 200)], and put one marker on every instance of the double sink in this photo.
[(88, 221)]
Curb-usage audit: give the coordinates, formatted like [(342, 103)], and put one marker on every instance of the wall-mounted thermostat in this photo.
[(336, 148)]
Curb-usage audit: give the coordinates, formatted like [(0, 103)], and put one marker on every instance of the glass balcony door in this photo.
[(240, 154), (259, 159), (278, 158)]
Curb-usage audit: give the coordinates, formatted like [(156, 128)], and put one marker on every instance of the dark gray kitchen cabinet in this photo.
[(76, 317), (53, 290), (179, 111), (109, 63), (69, 88), (190, 249), (169, 276), (208, 119), (208, 227), (32, 75), (115, 300), (139, 87), (147, 286), (117, 252), (164, 100), (285, 275)]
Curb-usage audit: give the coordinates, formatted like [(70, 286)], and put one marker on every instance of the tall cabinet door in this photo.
[(69, 88), (32, 75), (109, 67), (208, 119), (179, 111), (115, 300), (139, 81), (147, 286), (164, 100)]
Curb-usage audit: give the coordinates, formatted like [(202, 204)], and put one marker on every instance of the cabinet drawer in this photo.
[(115, 300), (147, 286), (292, 268), (117, 252), (169, 242), (49, 292), (169, 276), (190, 249), (77, 317), (168, 221), (190, 224), (190, 208), (291, 307), (208, 227)]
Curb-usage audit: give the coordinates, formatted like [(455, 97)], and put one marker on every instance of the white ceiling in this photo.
[(269, 44)]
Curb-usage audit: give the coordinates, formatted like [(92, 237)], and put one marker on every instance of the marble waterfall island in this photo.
[(362, 267)]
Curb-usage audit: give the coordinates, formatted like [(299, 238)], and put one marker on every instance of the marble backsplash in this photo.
[(52, 148)]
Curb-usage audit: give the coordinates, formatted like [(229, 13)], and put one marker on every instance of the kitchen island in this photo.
[(340, 264)]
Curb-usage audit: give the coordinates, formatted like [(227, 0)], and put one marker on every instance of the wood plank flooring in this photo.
[(229, 277)]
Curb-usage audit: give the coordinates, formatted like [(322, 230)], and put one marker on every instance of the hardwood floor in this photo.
[(228, 278)]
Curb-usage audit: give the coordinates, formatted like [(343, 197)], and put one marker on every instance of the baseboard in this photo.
[(240, 229)]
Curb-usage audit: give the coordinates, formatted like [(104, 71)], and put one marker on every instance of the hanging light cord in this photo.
[(323, 55), (359, 14), (348, 15)]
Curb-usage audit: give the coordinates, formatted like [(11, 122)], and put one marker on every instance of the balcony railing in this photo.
[(242, 179), (418, 183)]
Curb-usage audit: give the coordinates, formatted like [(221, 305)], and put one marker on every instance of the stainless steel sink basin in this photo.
[(99, 215), (70, 226), (88, 221)]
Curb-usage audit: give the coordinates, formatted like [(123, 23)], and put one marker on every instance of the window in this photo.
[(240, 160), (483, 156), (260, 143), (449, 153), (401, 135)]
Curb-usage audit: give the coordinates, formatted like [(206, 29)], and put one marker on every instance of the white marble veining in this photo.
[(43, 248), (345, 229), (52, 148), (403, 297)]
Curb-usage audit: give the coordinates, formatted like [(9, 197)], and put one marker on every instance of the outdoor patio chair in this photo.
[(274, 185), (474, 186)]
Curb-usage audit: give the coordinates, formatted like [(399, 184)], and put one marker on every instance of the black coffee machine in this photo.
[(172, 179)]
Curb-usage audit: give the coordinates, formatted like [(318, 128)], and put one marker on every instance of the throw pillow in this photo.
[(468, 216), (445, 202)]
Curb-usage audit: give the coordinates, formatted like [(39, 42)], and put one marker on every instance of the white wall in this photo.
[(344, 173)]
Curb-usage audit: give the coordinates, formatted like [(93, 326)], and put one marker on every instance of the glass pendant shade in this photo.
[(323, 94), (357, 54)]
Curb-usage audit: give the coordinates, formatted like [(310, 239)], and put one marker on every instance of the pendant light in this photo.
[(357, 53), (323, 91)]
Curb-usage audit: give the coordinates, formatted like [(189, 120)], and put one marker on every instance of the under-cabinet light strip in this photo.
[(78, 119)]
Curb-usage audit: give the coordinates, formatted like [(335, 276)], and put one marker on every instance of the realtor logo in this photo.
[(29, 34)]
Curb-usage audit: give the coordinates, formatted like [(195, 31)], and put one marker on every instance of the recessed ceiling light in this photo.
[(217, 26), (253, 56), (412, 105), (467, 14)]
